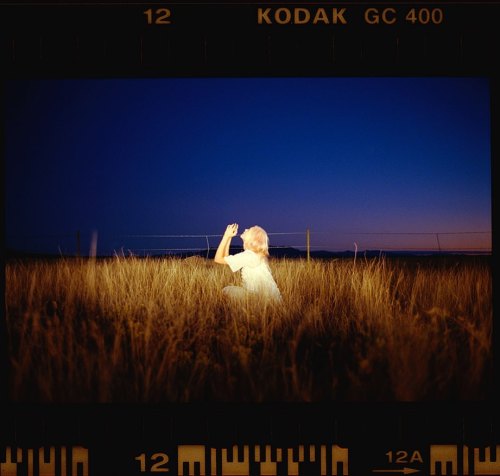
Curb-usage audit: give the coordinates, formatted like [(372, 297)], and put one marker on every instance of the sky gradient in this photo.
[(349, 158)]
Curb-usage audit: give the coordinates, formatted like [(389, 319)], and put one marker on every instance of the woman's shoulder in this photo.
[(253, 258)]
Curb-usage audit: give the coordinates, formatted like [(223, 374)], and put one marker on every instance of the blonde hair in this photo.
[(256, 240)]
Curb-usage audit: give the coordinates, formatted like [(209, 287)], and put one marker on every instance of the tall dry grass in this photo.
[(151, 330)]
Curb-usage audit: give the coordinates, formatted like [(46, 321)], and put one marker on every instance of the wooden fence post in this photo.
[(439, 244), (308, 244)]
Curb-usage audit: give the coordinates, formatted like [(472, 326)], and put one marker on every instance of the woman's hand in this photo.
[(223, 249), (231, 230)]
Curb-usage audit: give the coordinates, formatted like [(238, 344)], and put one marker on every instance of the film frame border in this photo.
[(469, 47)]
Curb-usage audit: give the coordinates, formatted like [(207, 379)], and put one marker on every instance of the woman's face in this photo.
[(244, 235)]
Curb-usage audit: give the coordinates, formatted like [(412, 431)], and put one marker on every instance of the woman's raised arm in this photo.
[(223, 249)]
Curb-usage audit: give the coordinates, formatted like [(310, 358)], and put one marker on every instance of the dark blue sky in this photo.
[(187, 156)]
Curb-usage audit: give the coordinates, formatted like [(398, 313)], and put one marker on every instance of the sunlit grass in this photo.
[(150, 330)]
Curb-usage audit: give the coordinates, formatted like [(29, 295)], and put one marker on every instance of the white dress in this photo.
[(255, 273)]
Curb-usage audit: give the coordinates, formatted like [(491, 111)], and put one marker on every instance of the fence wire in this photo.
[(352, 241)]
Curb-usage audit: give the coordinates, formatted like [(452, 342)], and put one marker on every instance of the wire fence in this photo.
[(306, 242)]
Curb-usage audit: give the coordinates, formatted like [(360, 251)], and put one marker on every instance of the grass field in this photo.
[(156, 330)]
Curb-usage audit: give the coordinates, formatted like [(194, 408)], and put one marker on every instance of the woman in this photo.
[(257, 278)]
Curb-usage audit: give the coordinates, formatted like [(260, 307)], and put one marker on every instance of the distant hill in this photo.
[(285, 252)]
